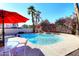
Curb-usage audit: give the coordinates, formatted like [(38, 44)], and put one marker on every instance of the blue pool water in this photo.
[(42, 39)]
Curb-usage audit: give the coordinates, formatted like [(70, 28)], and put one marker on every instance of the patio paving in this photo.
[(69, 44), (74, 53)]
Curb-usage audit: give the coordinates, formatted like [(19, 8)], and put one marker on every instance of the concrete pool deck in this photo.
[(69, 44)]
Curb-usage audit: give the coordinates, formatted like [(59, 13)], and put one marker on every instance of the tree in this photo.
[(30, 26), (45, 25), (32, 11), (64, 25), (37, 16), (25, 26), (77, 14)]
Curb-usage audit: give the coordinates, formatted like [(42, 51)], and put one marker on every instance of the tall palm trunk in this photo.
[(33, 23), (77, 12)]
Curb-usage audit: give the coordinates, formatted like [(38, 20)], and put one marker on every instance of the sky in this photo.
[(50, 11)]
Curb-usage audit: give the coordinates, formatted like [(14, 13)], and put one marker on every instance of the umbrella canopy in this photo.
[(10, 17)]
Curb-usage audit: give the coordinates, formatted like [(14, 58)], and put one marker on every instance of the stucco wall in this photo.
[(14, 31)]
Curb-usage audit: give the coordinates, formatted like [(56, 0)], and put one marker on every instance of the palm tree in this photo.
[(38, 16), (32, 11), (77, 14)]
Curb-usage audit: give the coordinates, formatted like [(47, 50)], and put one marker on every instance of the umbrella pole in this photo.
[(3, 39)]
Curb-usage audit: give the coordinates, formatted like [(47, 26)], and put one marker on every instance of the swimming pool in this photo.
[(42, 39)]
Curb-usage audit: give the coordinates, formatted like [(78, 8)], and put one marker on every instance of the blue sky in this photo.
[(50, 11)]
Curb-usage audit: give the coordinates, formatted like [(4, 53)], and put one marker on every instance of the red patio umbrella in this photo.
[(10, 17)]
